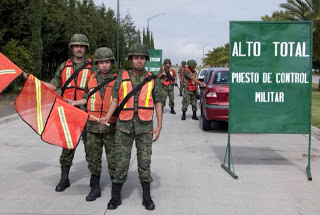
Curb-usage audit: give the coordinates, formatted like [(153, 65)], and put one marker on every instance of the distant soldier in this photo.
[(190, 89), (168, 79), (71, 77), (137, 93), (180, 72), (97, 96)]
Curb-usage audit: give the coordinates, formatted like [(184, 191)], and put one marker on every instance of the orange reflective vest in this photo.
[(97, 106), (145, 99), (166, 80), (74, 91), (191, 83)]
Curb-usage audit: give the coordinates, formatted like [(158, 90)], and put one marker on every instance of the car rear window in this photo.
[(202, 72), (221, 78)]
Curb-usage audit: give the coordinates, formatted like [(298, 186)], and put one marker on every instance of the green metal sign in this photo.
[(270, 77), (155, 63), (270, 80)]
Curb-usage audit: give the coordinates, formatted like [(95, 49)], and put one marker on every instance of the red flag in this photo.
[(34, 103), (64, 125), (8, 72)]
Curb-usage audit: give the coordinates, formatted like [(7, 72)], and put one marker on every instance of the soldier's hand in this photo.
[(164, 73), (156, 134), (71, 102), (25, 75), (202, 84), (103, 121)]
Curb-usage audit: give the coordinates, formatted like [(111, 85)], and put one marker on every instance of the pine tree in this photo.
[(36, 9)]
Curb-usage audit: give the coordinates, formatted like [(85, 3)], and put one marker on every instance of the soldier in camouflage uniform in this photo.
[(98, 134), (167, 84), (190, 93), (135, 124), (180, 72), (79, 45)]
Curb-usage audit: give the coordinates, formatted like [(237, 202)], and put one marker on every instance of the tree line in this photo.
[(292, 10), (35, 34)]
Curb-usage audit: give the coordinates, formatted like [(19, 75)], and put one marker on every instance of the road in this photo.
[(188, 178)]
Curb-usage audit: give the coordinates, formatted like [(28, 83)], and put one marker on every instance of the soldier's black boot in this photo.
[(64, 181), (147, 201), (194, 116), (115, 196), (183, 115), (95, 188), (172, 111)]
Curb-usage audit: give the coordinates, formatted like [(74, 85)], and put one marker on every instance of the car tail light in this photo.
[(211, 96)]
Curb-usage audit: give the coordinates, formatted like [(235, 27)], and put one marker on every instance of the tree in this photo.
[(36, 42), (218, 56), (302, 10)]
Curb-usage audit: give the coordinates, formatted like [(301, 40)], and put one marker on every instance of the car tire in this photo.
[(206, 124)]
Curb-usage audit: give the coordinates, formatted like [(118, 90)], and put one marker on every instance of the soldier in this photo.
[(180, 72), (190, 89), (71, 76), (168, 79), (97, 96), (137, 93)]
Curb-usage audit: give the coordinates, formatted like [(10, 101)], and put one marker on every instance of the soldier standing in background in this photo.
[(168, 79), (180, 72), (71, 77), (97, 96), (190, 89), (135, 122)]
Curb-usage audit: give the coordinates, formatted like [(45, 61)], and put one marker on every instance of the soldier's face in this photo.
[(78, 50), (191, 68), (167, 65), (104, 66), (138, 62)]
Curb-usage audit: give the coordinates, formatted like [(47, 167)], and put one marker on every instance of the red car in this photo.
[(215, 98)]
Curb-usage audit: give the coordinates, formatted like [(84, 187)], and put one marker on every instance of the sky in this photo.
[(191, 28)]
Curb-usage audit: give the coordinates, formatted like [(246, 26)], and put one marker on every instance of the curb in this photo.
[(7, 119), (315, 132)]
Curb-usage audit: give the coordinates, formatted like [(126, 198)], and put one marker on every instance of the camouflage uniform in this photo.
[(167, 90), (134, 129), (99, 136), (189, 97), (183, 65)]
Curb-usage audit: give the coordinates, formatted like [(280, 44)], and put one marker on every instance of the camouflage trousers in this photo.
[(94, 150), (123, 146), (67, 155), (189, 97), (181, 87), (167, 92)]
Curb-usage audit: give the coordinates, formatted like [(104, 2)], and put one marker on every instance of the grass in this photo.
[(315, 107)]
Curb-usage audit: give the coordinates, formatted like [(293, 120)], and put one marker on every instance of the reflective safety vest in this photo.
[(166, 80), (191, 83), (97, 106), (74, 91), (145, 99)]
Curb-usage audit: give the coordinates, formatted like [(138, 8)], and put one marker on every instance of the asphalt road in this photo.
[(186, 168)]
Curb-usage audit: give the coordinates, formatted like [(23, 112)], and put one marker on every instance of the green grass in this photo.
[(315, 107)]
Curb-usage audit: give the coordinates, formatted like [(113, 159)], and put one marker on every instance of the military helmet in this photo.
[(183, 63), (138, 49), (192, 63), (103, 53), (167, 61), (79, 39)]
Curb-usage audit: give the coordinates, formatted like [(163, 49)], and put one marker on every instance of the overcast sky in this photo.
[(188, 25)]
